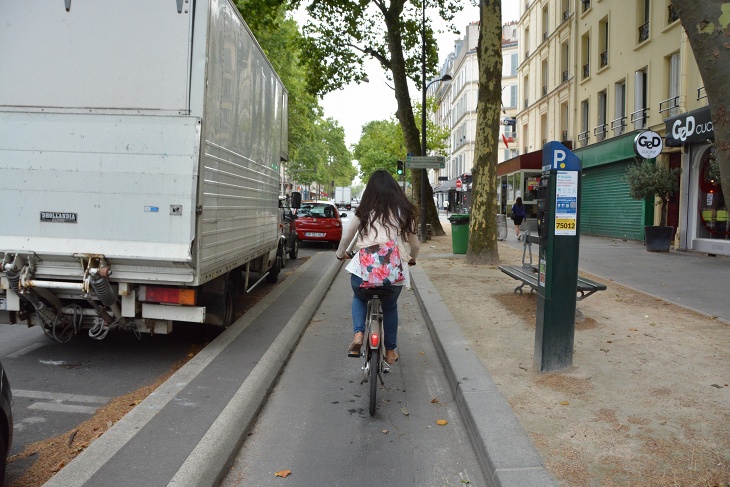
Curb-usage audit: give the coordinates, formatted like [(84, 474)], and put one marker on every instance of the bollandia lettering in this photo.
[(58, 217)]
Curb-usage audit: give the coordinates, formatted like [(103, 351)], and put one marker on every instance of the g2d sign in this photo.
[(692, 127), (648, 144)]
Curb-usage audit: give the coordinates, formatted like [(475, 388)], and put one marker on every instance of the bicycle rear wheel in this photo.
[(374, 364)]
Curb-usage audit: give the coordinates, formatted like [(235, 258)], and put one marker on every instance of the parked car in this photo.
[(319, 221), (289, 248), (6, 421)]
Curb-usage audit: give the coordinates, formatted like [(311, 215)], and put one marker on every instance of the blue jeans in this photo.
[(389, 303)]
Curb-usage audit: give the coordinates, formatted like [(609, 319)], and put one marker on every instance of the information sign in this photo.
[(566, 203)]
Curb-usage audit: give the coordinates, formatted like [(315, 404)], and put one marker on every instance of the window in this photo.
[(601, 127), (564, 61), (564, 122), (527, 42), (603, 41), (545, 18), (544, 67), (513, 64), (672, 15), (640, 115), (618, 125), (525, 90), (584, 135), (642, 15), (565, 8), (674, 84), (513, 95), (585, 46)]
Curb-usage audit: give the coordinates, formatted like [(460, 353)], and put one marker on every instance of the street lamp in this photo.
[(446, 77)]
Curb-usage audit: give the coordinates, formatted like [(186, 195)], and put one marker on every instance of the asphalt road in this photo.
[(316, 422), (58, 386)]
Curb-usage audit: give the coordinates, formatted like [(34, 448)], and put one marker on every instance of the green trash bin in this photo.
[(459, 232)]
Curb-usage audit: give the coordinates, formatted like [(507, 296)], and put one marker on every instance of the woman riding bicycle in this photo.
[(384, 223)]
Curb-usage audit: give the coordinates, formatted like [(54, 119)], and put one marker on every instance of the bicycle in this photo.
[(374, 365)]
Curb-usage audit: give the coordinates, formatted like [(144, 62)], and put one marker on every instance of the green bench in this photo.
[(528, 273)]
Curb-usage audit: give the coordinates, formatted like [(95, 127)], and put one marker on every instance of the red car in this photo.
[(319, 221)]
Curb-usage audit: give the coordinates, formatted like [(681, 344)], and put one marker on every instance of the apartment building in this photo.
[(595, 73), (457, 110)]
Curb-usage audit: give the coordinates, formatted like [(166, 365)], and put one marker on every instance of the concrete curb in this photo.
[(216, 451), (253, 391), (506, 454)]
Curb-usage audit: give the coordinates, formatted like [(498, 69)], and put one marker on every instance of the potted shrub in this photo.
[(648, 180)]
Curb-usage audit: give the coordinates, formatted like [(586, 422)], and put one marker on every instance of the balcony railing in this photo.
[(673, 16), (586, 70), (544, 36), (639, 118), (669, 104), (600, 132), (583, 138), (564, 136), (618, 126), (701, 93), (604, 58), (644, 32), (565, 76), (566, 14), (527, 103), (586, 4), (544, 90)]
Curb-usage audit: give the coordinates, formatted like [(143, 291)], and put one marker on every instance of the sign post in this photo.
[(558, 230)]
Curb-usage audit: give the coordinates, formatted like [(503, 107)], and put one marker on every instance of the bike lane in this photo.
[(316, 423)]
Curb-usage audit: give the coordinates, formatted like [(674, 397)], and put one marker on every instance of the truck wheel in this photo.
[(274, 271), (294, 252)]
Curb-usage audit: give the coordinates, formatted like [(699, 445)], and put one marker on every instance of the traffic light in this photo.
[(400, 168)]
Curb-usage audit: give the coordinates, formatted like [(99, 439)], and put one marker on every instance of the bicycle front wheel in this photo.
[(374, 365)]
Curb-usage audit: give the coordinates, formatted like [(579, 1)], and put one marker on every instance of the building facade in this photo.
[(596, 73)]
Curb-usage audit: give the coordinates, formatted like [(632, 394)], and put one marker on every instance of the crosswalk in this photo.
[(61, 402)]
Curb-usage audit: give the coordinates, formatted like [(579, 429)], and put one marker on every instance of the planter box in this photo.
[(658, 239)]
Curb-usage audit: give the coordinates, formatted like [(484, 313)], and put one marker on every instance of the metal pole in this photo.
[(424, 175)]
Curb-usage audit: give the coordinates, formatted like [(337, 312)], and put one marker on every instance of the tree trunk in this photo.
[(404, 114), (482, 226), (707, 24)]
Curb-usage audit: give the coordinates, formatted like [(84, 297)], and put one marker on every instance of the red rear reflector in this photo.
[(170, 295), (374, 339)]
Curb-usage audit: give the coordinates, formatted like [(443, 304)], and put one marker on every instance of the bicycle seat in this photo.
[(371, 292)]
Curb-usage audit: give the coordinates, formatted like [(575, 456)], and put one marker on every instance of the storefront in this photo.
[(703, 223), (606, 208), (519, 177)]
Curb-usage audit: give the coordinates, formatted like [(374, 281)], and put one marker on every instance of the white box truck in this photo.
[(343, 197), (140, 145)]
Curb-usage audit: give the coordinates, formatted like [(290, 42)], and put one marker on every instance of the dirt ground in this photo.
[(647, 401)]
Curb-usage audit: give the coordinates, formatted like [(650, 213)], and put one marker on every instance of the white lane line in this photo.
[(60, 397), (62, 408), (27, 349)]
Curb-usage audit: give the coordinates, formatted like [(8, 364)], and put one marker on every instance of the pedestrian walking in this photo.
[(518, 215), (446, 207)]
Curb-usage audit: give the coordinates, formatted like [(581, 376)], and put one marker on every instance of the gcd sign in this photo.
[(648, 144)]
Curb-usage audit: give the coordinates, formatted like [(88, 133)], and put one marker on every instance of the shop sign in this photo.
[(648, 144), (690, 127)]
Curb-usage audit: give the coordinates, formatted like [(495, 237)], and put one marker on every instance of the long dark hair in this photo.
[(518, 201), (385, 202)]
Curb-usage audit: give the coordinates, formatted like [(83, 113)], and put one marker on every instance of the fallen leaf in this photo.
[(633, 329), (385, 432), (716, 386), (282, 473), (604, 350), (616, 428), (434, 401), (564, 403), (441, 422), (422, 353), (404, 410)]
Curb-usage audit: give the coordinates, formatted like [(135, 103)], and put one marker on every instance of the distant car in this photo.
[(6, 421), (319, 221)]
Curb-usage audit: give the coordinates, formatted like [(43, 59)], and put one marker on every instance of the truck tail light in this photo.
[(168, 295)]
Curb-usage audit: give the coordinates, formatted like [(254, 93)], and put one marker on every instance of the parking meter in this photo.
[(558, 231)]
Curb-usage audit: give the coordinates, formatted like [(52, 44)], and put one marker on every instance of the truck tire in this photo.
[(274, 271), (294, 252)]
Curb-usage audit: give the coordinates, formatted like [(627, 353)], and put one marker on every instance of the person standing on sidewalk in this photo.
[(446, 207), (384, 233), (518, 215)]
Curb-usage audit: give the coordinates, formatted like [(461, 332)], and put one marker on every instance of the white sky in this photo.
[(355, 105)]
